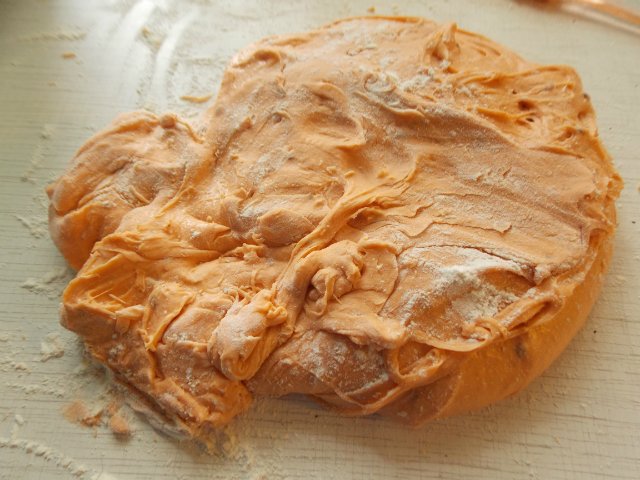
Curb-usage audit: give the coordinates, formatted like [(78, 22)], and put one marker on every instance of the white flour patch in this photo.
[(474, 297), (51, 347), (413, 302), (483, 302)]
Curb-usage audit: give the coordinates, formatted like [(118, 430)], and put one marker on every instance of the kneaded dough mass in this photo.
[(387, 214)]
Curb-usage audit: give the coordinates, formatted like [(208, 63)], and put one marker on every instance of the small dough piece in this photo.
[(386, 214)]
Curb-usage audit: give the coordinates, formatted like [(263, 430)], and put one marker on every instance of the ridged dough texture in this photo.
[(387, 214)]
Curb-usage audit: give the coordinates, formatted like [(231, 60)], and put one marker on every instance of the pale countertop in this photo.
[(580, 420)]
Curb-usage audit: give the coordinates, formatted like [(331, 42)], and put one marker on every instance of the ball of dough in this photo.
[(386, 214)]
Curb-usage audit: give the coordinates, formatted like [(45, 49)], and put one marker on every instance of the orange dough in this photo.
[(387, 214)]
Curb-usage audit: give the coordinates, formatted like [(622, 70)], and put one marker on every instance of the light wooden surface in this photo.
[(580, 420)]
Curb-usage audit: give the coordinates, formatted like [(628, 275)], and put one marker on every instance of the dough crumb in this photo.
[(119, 425), (78, 412), (168, 121), (34, 388), (68, 55), (196, 99)]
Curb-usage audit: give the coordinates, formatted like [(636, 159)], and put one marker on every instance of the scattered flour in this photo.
[(416, 83), (34, 164), (68, 35), (268, 163), (51, 455), (475, 297), (20, 366), (47, 131), (7, 362), (51, 284), (196, 98), (51, 347), (30, 389), (37, 225)]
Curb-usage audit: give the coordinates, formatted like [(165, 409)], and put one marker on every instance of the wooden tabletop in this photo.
[(68, 67)]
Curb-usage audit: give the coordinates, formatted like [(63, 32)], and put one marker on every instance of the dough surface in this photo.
[(387, 214)]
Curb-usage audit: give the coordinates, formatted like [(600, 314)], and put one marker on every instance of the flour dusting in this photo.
[(51, 347), (51, 284), (67, 34), (50, 455), (35, 224), (474, 297)]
